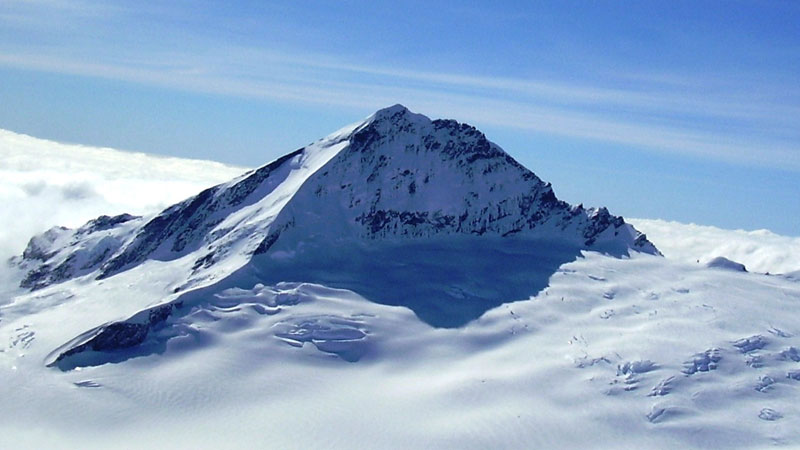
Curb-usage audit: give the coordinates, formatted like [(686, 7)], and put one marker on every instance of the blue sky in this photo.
[(677, 110)]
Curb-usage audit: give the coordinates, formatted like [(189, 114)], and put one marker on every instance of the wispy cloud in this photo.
[(727, 118), (653, 120), (71, 7)]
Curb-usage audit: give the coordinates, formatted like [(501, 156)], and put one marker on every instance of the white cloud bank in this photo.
[(47, 183), (759, 250)]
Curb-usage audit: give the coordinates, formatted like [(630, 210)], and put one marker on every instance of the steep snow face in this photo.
[(227, 221), (405, 176), (397, 175)]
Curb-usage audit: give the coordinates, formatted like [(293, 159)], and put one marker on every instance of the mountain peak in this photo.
[(395, 116), (394, 109), (396, 176)]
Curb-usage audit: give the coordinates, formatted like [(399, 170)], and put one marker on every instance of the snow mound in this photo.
[(720, 262), (289, 312)]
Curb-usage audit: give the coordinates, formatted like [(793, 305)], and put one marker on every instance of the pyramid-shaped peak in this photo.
[(396, 108), (397, 130), (397, 114), (396, 176), (390, 122)]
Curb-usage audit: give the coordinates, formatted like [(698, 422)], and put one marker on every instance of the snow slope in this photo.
[(554, 344), (632, 352)]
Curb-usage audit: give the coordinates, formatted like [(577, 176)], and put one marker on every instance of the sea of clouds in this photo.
[(759, 250), (47, 183)]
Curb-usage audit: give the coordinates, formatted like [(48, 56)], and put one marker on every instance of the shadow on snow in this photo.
[(447, 283)]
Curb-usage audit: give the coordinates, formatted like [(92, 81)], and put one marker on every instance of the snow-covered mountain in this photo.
[(336, 298), (397, 178), (397, 175)]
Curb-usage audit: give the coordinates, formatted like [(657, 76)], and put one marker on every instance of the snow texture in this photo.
[(300, 362), (279, 340)]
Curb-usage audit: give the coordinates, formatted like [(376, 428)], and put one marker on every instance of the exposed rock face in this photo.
[(397, 175), (404, 175), (183, 227), (62, 253), (115, 335)]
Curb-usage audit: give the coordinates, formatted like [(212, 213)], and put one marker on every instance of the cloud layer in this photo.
[(759, 250), (48, 183)]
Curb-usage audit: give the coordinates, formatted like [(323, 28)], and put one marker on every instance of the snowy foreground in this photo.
[(615, 352), (624, 352)]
